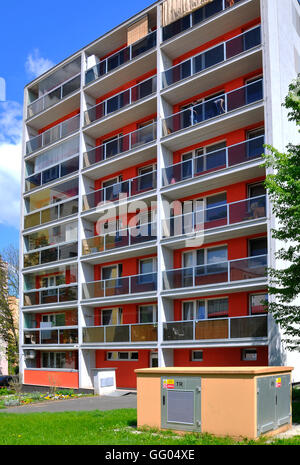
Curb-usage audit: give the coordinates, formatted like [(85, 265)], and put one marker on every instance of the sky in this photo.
[(34, 36)]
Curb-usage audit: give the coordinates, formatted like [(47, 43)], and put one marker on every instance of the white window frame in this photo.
[(55, 356), (249, 350), (194, 302), (118, 359), (194, 255), (197, 359), (154, 313), (48, 317), (119, 315), (265, 294)]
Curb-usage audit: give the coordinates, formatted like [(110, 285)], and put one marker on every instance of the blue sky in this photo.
[(34, 36)]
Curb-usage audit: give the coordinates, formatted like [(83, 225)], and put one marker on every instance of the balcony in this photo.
[(57, 295), (121, 57), (120, 191), (210, 58), (54, 134), (51, 335), (213, 161), (245, 269), (217, 218), (222, 329), (128, 285), (120, 145), (121, 100), (55, 96), (118, 239), (58, 211), (51, 254), (52, 174), (131, 333)]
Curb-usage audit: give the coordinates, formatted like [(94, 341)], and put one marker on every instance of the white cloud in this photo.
[(10, 162), (36, 65)]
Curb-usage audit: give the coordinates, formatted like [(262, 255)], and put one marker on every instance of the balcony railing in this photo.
[(119, 286), (121, 238), (215, 273), (215, 329), (50, 295), (212, 57), (65, 335), (53, 97), (126, 189), (141, 332), (214, 107), (120, 145), (53, 173), (51, 254), (196, 17), (54, 134), (121, 100), (55, 212), (120, 58), (214, 161), (214, 217)]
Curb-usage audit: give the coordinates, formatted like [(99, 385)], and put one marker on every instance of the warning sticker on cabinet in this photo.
[(278, 382), (168, 383)]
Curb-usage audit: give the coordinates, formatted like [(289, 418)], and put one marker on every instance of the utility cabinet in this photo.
[(224, 401), (181, 403), (273, 402)]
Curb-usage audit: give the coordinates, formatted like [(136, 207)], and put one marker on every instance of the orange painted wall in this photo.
[(64, 379), (125, 375), (220, 356)]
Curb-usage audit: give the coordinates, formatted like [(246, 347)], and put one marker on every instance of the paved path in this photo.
[(78, 404)]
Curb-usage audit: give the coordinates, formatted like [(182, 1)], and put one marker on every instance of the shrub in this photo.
[(4, 391), (65, 392)]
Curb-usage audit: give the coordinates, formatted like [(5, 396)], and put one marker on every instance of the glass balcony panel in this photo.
[(68, 208), (117, 240), (93, 245), (68, 336), (52, 98), (144, 332), (249, 327), (50, 214), (32, 220), (117, 333), (251, 149), (34, 143), (70, 86), (143, 283), (49, 255), (31, 259), (93, 290), (67, 294), (248, 268), (68, 251), (69, 166), (143, 233), (31, 337), (177, 73), (49, 336), (215, 217), (31, 298), (118, 286), (70, 125), (51, 174), (33, 181), (143, 135), (211, 329), (246, 210), (91, 335), (49, 296), (176, 27), (143, 45), (178, 331), (143, 183)]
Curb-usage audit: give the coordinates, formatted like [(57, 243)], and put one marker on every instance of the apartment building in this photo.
[(145, 221)]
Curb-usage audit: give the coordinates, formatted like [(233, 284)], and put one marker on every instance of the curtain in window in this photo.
[(175, 9)]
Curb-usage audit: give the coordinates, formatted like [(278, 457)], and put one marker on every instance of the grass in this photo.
[(112, 427)]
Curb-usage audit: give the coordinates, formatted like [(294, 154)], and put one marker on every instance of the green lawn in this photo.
[(114, 427)]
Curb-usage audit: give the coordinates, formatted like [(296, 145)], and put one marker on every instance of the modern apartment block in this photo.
[(145, 222)]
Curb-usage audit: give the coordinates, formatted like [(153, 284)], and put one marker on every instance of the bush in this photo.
[(65, 392), (4, 391)]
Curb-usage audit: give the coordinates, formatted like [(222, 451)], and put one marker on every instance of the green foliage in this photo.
[(283, 186), (65, 392)]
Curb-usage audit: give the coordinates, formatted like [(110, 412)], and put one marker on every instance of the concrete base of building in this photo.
[(37, 388)]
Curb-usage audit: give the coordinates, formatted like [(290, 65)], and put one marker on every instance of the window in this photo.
[(53, 359), (147, 314), (258, 247), (254, 90), (111, 272), (113, 316), (255, 142), (122, 356), (147, 268), (216, 208), (113, 146), (112, 188), (54, 319), (256, 304), (204, 309), (249, 355), (197, 355), (256, 190), (146, 177)]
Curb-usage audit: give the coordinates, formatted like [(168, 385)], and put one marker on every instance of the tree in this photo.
[(283, 187), (9, 293)]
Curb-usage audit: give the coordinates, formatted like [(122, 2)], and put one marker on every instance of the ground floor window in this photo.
[(121, 356), (197, 355), (249, 355), (53, 360)]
